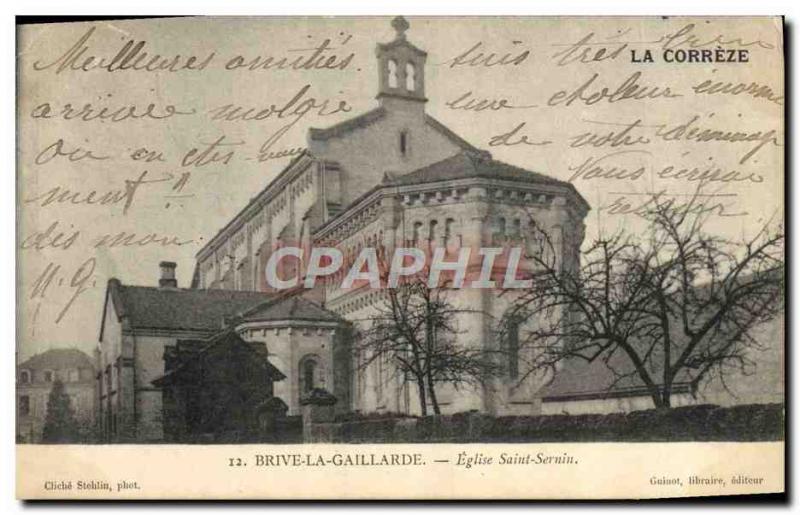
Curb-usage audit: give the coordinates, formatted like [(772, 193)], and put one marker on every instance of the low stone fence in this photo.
[(754, 422)]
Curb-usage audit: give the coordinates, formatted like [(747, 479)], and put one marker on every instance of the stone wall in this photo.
[(753, 422)]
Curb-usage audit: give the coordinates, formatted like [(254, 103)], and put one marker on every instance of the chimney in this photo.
[(167, 279)]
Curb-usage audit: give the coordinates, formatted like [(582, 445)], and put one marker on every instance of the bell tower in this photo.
[(401, 67)]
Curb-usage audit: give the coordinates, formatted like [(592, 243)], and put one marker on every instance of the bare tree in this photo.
[(414, 330), (673, 305)]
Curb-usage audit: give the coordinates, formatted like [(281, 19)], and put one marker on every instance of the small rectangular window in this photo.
[(403, 143)]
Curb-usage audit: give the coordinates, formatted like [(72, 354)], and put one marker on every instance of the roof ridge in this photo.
[(199, 290), (481, 163), (295, 304), (540, 174), (355, 122), (188, 309), (392, 177), (212, 341), (272, 301), (450, 134), (71, 352)]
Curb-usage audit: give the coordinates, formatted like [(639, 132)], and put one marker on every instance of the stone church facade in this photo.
[(395, 176), (391, 177)]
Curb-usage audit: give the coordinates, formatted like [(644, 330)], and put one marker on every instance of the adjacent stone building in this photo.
[(143, 326), (35, 378), (612, 386)]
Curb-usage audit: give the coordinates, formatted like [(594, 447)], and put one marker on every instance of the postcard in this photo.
[(400, 258)]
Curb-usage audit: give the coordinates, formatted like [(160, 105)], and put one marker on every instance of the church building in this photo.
[(391, 177)]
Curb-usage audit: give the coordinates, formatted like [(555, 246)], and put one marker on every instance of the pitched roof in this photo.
[(370, 117), (357, 122), (292, 308), (449, 134), (579, 379), (55, 359), (218, 342), (339, 129), (466, 164), (477, 164), (180, 308), (401, 42)]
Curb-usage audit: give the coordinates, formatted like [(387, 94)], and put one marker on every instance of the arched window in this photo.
[(411, 78), (448, 230), (417, 230), (517, 228), (308, 374), (500, 227), (392, 73), (309, 367), (24, 377), (432, 231), (48, 376)]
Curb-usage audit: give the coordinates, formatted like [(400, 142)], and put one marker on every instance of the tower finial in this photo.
[(400, 25)]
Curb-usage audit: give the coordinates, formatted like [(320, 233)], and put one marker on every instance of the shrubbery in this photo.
[(60, 425)]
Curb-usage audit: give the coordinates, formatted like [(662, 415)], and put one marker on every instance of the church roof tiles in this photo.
[(292, 308), (351, 124), (579, 379), (471, 164), (178, 308), (215, 349), (478, 164), (57, 359)]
